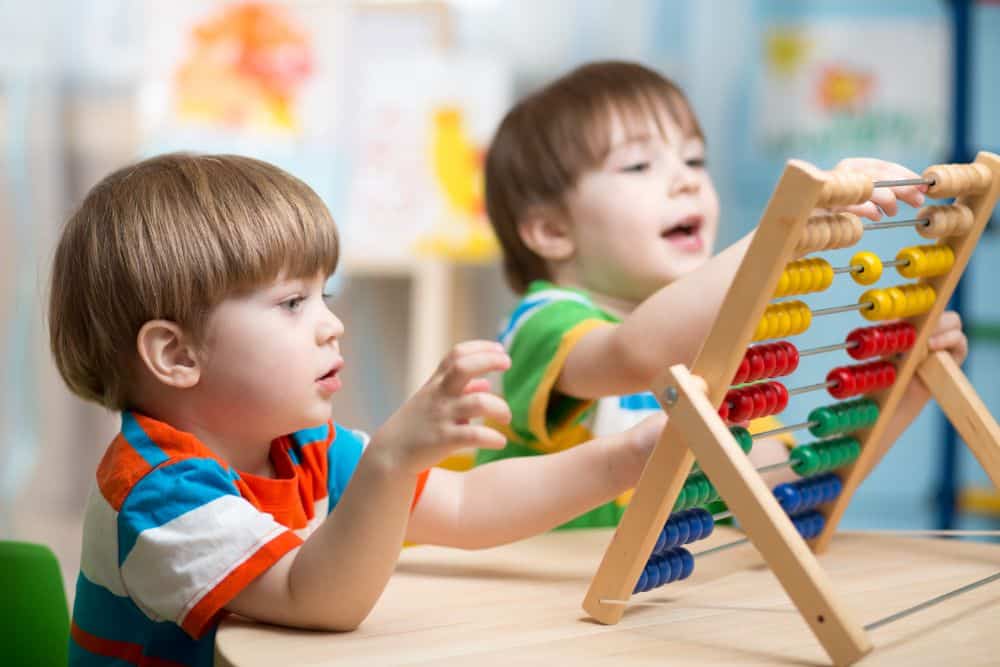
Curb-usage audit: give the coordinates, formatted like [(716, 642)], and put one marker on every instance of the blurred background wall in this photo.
[(385, 108)]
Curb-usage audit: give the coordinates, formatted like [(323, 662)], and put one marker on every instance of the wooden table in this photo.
[(520, 605)]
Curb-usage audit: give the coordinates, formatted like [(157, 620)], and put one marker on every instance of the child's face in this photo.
[(645, 217), (271, 358)]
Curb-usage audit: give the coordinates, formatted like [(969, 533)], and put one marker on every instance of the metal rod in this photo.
[(811, 387), (864, 305), (896, 223), (857, 268), (903, 181), (897, 262), (828, 348), (783, 429), (929, 603)]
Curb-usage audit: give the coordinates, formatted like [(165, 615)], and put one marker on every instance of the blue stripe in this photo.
[(643, 401), (525, 305), (141, 442), (308, 435), (167, 493), (101, 613), (342, 459)]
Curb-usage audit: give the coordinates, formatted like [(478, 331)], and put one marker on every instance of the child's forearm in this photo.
[(667, 328), (515, 498), (342, 569)]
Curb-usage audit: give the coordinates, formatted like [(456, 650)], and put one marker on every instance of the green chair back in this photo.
[(34, 616)]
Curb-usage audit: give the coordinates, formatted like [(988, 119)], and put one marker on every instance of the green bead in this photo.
[(855, 450), (681, 502), (805, 460), (826, 421), (704, 492), (825, 458), (743, 438)]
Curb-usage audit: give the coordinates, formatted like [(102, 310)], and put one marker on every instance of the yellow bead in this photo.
[(783, 324), (881, 305), (918, 261), (761, 332), (805, 317), (782, 288), (945, 258), (794, 278), (902, 301), (827, 274), (871, 267)]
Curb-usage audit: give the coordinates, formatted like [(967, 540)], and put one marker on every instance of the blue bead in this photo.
[(672, 534), (694, 527), (707, 523), (640, 586), (661, 542), (687, 564), (666, 571), (676, 564), (787, 497), (652, 575), (683, 531), (838, 486)]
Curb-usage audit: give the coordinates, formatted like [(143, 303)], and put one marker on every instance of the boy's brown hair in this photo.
[(550, 138), (169, 238)]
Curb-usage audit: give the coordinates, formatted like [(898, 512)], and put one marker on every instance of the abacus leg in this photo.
[(765, 523), (966, 411)]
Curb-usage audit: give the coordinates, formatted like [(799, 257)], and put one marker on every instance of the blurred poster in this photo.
[(256, 78), (837, 86), (422, 128)]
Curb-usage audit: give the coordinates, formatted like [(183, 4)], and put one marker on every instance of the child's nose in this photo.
[(685, 180), (329, 329)]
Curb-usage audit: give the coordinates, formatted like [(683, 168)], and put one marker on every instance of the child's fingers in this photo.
[(481, 404), (476, 384), (949, 320), (461, 369), (953, 340), (476, 435), (867, 210)]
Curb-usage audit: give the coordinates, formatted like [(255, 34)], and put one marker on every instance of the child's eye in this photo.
[(695, 162), (293, 304), (637, 167)]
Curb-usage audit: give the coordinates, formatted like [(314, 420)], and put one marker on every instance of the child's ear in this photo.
[(546, 232), (166, 352)]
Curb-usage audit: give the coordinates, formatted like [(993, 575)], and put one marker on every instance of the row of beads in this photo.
[(809, 524), (767, 361), (670, 566), (788, 318), (955, 180), (843, 417), (901, 301), (845, 188), (945, 220), (754, 401), (830, 232), (860, 379), (881, 340), (696, 492), (804, 276), (925, 261), (807, 494), (683, 528), (824, 455)]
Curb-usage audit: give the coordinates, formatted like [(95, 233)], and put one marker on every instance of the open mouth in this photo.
[(685, 229)]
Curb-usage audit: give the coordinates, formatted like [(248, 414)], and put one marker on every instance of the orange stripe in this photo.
[(211, 606), (176, 444), (115, 649), (421, 482), (119, 470)]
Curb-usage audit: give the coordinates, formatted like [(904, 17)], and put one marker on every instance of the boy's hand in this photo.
[(637, 444), (948, 336), (884, 200), (435, 421)]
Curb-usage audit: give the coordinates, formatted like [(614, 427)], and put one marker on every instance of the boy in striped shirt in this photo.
[(597, 189), (187, 294)]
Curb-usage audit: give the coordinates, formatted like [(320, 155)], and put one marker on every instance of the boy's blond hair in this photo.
[(550, 138), (169, 238)]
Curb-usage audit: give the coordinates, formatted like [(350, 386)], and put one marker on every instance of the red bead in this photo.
[(792, 353), (890, 342), (869, 342), (911, 336), (845, 379), (724, 410), (781, 360), (782, 397), (756, 365), (743, 371), (759, 401), (889, 375), (741, 408), (770, 397), (770, 361)]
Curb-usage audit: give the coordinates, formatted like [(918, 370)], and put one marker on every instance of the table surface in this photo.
[(520, 604)]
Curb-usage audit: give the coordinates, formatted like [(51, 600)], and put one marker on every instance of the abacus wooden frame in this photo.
[(696, 430)]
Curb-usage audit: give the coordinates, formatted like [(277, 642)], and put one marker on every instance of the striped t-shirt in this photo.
[(172, 534)]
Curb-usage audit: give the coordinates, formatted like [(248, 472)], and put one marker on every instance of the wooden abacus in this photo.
[(697, 427)]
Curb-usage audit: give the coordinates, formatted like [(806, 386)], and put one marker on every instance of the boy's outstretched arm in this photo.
[(333, 580), (515, 498), (670, 326)]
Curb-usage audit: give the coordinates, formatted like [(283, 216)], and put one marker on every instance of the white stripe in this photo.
[(99, 557), (173, 566), (547, 297)]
